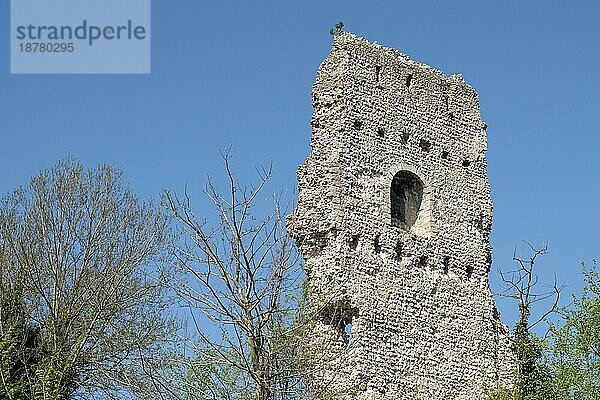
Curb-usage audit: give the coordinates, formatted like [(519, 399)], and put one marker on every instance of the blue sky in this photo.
[(239, 74)]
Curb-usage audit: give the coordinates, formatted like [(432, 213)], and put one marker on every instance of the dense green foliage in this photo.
[(566, 365), (17, 348), (533, 379), (82, 300), (28, 368), (574, 356), (339, 28)]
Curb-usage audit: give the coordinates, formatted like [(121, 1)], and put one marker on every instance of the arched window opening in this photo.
[(405, 199)]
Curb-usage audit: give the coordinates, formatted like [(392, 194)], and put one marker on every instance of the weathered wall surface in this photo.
[(393, 221)]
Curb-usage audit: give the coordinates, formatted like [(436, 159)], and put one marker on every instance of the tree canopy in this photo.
[(82, 287)]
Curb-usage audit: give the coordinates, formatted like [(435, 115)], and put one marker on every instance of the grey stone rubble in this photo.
[(393, 221)]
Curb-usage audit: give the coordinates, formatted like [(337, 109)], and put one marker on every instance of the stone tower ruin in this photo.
[(393, 221)]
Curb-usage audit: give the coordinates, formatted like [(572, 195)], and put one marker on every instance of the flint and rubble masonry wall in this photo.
[(393, 221)]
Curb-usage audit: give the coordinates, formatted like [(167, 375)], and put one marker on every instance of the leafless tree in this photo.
[(242, 284), (87, 256), (523, 285), (532, 377)]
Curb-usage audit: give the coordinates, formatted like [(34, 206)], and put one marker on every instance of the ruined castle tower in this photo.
[(393, 221)]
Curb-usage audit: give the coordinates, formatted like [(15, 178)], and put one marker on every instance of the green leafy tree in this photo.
[(534, 381), (338, 29), (81, 254), (18, 348), (575, 343)]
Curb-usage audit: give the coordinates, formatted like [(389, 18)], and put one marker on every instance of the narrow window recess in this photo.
[(358, 124), (409, 78), (445, 154), (424, 144), (398, 251), (380, 132), (446, 265), (354, 242), (423, 261), (478, 222), (466, 163), (405, 137), (377, 245), (378, 73)]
